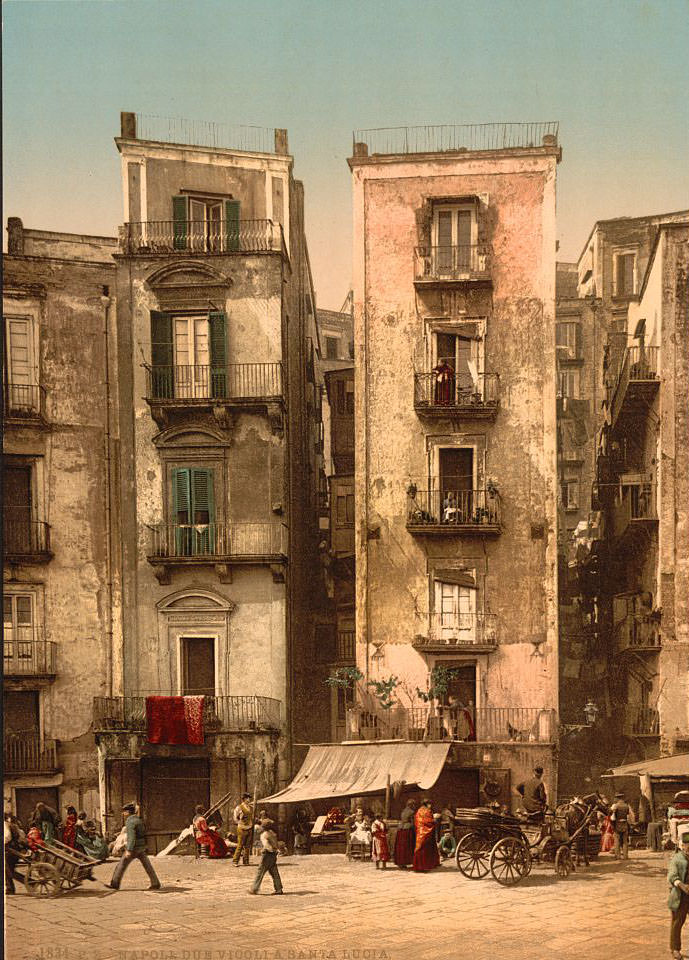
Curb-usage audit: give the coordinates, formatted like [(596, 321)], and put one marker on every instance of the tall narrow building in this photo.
[(455, 466)]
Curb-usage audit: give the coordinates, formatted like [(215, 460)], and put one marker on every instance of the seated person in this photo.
[(533, 795), (34, 837), (206, 836), (90, 842), (300, 831), (360, 828)]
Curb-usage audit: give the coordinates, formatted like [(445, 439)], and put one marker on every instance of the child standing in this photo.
[(381, 851), (268, 864)]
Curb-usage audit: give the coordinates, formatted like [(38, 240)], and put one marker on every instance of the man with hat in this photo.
[(269, 844), (533, 794), (243, 817), (678, 900), (619, 817), (135, 849)]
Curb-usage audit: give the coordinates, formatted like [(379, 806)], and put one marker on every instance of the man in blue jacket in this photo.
[(135, 849), (678, 901)]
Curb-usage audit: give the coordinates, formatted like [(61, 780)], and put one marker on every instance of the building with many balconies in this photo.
[(455, 440)]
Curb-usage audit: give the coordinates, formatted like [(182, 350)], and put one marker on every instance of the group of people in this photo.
[(416, 841)]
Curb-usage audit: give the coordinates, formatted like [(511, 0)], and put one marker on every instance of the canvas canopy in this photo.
[(354, 769), (676, 766)]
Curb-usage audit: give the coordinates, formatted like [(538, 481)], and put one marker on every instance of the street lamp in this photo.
[(590, 712)]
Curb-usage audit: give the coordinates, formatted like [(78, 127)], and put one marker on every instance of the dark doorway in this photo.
[(17, 508), (26, 799), (20, 712), (198, 666), (171, 790), (456, 481), (461, 687)]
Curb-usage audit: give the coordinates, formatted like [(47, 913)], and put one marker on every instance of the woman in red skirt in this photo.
[(406, 837)]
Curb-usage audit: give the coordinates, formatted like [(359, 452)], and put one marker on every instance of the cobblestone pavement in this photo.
[(349, 911)]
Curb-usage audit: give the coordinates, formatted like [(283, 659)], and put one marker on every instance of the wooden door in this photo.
[(171, 788), (198, 666)]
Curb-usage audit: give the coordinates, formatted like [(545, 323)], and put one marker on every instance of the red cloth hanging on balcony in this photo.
[(175, 720)]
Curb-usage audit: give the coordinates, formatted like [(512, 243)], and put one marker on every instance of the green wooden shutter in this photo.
[(161, 355), (217, 334), (232, 224), (180, 216), (203, 511), (181, 511)]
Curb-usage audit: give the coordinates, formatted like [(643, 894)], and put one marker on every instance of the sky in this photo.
[(612, 72)]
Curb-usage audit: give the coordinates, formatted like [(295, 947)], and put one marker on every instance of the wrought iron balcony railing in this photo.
[(29, 753), (198, 384), (193, 236), (209, 542), (220, 714), (448, 631), (637, 380), (482, 725), (25, 540), (448, 511), (29, 658), (346, 645), (459, 262), (641, 722), (443, 393), (634, 508), (23, 401)]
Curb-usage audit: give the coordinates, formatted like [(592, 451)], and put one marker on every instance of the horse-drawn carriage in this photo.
[(507, 846)]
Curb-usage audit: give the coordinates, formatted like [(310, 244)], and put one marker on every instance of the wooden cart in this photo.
[(55, 867)]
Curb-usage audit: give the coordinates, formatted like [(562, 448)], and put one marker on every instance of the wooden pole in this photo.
[(387, 798)]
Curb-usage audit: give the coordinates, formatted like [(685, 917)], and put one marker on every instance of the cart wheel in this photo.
[(43, 880), (473, 856), (510, 861), (563, 862)]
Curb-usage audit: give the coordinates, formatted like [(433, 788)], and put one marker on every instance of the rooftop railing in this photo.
[(196, 383), (205, 133), (211, 541), (453, 138), (193, 236), (29, 658), (463, 262), (29, 753), (220, 714)]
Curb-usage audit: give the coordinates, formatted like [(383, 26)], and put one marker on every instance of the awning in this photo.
[(676, 766), (354, 769)]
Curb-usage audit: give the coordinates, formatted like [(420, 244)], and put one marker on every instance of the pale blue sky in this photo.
[(613, 72)]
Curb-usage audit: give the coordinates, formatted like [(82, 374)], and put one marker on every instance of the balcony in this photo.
[(439, 266), (220, 714), (29, 753), (346, 646), (637, 384), (29, 658), (474, 513), (166, 237), (202, 387), (24, 404), (25, 541), (634, 512), (641, 722), (438, 395), (639, 630), (467, 632), (431, 722), (219, 544)]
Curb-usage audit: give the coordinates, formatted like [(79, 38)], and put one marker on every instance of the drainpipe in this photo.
[(106, 301)]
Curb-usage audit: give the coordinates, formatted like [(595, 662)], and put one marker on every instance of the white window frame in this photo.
[(460, 622), (199, 385), (568, 349), (570, 503), (568, 377), (15, 640), (615, 259), (209, 241), (30, 319), (455, 208)]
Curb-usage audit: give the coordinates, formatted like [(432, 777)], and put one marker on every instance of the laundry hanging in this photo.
[(175, 720)]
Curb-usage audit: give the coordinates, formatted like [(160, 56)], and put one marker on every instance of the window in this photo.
[(349, 390), (21, 366), (205, 225), (625, 274), (454, 236), (456, 485), (570, 494), (18, 508), (345, 510), (455, 611), (332, 348), (198, 666), (18, 619), (344, 398), (567, 340), (568, 383), (189, 355), (458, 357), (193, 513)]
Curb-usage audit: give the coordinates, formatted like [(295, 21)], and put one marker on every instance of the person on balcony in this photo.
[(206, 837), (426, 856), (450, 510), (406, 837), (443, 384)]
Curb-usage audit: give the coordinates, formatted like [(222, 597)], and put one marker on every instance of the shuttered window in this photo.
[(180, 217), (193, 510), (217, 323), (161, 355), (232, 211)]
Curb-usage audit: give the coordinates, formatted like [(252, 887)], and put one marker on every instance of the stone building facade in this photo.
[(455, 444), (61, 570)]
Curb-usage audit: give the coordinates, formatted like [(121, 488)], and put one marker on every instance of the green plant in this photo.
[(344, 677), (383, 690), (438, 683)]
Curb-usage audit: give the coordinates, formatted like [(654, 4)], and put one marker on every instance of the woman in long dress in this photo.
[(205, 837), (406, 837), (426, 856), (69, 830), (381, 851)]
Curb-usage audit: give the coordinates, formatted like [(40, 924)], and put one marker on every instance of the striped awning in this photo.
[(355, 769)]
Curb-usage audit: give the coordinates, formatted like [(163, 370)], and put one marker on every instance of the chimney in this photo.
[(281, 141), (128, 126), (15, 236), (360, 149)]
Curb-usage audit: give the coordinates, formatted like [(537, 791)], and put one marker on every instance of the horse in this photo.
[(575, 813)]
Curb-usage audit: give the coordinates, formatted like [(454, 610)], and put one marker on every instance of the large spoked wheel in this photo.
[(43, 880), (510, 861), (563, 862), (473, 856)]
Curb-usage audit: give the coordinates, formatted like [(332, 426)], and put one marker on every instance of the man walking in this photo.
[(268, 864), (243, 817), (619, 815), (135, 849), (678, 901)]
